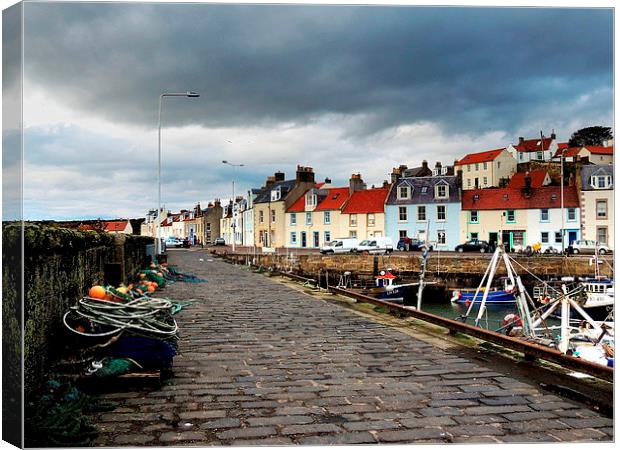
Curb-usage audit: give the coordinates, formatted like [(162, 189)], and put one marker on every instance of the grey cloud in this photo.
[(472, 69)]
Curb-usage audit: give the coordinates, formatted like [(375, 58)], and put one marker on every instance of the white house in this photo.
[(538, 149)]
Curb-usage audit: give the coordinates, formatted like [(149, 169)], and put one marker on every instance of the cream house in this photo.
[(486, 169), (363, 215), (599, 155), (597, 203)]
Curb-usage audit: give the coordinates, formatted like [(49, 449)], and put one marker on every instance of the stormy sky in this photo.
[(340, 88)]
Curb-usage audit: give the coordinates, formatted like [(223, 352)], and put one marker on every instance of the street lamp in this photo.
[(562, 194), (188, 94), (234, 224)]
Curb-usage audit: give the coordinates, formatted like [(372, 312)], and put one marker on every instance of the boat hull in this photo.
[(494, 297)]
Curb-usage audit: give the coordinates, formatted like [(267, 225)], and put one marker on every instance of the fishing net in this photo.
[(172, 274)]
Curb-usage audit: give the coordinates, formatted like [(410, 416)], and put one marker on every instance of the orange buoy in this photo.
[(97, 292), (151, 289)]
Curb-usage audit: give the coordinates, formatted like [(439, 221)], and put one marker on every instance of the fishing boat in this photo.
[(385, 288), (497, 295)]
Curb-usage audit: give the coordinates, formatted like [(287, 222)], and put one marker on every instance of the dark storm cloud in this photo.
[(468, 69)]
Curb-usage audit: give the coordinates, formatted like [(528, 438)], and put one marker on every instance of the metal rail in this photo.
[(529, 349)]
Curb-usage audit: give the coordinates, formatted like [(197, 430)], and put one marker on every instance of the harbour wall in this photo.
[(455, 267), (59, 266)]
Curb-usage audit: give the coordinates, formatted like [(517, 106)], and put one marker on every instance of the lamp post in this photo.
[(188, 94), (234, 224), (562, 194)]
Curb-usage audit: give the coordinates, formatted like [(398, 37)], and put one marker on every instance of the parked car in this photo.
[(173, 242), (344, 245), (588, 247), (219, 241), (473, 245), (378, 244), (408, 244)]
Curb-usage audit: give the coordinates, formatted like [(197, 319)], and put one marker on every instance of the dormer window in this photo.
[(403, 192), (435, 172), (311, 200), (276, 194), (441, 191), (424, 189), (554, 197), (600, 181), (444, 170)]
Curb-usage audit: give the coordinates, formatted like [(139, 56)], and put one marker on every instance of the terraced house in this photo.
[(597, 203), (537, 149), (426, 208), (314, 218), (519, 217), (363, 215), (486, 169), (272, 202)]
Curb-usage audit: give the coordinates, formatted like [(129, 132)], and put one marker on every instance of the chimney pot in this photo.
[(521, 139), (425, 164)]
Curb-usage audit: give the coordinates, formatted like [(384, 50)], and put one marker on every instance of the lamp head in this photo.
[(192, 94), (225, 162)]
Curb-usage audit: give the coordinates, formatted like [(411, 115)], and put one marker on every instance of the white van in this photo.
[(343, 245), (377, 244)]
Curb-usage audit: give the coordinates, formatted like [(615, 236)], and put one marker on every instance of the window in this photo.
[(276, 194), (421, 213), (293, 219), (273, 216), (473, 216), (544, 215), (311, 200), (403, 192), (441, 237), (402, 234), (469, 167), (601, 235), (477, 166), (469, 182), (327, 236), (402, 213), (208, 226), (441, 191), (308, 218), (371, 219), (510, 216), (424, 189), (558, 237), (353, 220), (441, 212), (499, 164), (601, 209), (444, 170), (327, 217), (352, 234), (261, 216), (544, 237), (485, 181), (600, 181), (539, 155), (572, 214), (293, 237), (473, 236), (484, 165)]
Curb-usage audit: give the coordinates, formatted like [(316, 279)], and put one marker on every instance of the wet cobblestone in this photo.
[(261, 363)]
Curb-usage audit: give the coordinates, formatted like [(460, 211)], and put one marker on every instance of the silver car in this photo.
[(587, 246)]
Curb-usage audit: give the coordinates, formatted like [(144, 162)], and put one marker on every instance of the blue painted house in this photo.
[(426, 208)]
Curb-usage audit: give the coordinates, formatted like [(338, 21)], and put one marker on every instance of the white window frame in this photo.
[(438, 188), (370, 219), (441, 209), (353, 220), (308, 218), (421, 212), (441, 237), (406, 190), (327, 217), (293, 237), (403, 214), (293, 219), (544, 212)]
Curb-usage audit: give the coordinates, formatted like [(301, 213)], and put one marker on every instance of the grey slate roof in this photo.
[(589, 170), (264, 196), (418, 197)]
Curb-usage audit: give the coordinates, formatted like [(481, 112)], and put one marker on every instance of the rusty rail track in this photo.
[(530, 350)]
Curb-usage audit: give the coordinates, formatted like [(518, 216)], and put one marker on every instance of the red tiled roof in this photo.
[(493, 199), (599, 150), (115, 226), (86, 227), (480, 157), (533, 145), (569, 152), (299, 205), (518, 179), (366, 201), (562, 145), (334, 200)]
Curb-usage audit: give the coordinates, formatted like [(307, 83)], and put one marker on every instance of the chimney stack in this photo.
[(397, 172), (279, 176), (304, 175), (552, 134), (328, 180), (425, 164), (356, 183), (438, 165), (521, 140), (271, 180), (527, 190), (386, 184)]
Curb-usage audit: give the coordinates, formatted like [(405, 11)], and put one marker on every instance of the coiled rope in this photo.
[(145, 316)]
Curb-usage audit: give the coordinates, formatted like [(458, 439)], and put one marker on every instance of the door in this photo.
[(422, 235), (493, 240), (506, 240), (315, 238), (572, 237), (303, 239)]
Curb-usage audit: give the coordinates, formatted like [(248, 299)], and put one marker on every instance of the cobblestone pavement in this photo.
[(264, 364)]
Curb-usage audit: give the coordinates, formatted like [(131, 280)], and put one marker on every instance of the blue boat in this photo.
[(497, 296)]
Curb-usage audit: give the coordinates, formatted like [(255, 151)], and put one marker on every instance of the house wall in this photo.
[(318, 225), (363, 230), (536, 227), (590, 222), (248, 227), (451, 226), (507, 167), (276, 228)]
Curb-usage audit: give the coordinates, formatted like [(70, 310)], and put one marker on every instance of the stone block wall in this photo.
[(59, 267)]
